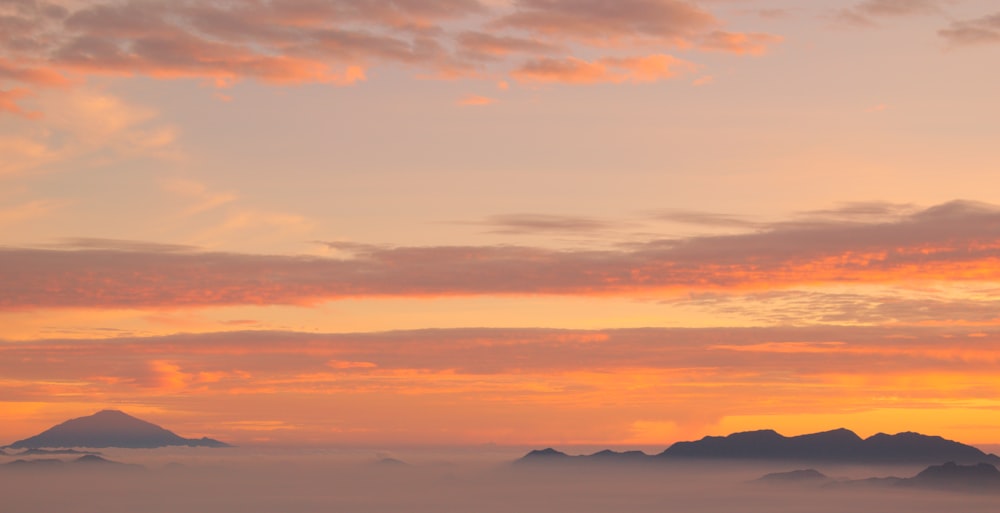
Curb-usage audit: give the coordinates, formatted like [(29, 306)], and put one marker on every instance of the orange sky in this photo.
[(501, 221)]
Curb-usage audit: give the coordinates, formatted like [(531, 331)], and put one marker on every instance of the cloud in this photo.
[(545, 224), (867, 12), (83, 126), (870, 307), (8, 102), (9, 71), (224, 42), (704, 218), (953, 242), (474, 100), (985, 30), (694, 376), (30, 210), (606, 22), (338, 41), (571, 70), (483, 45), (739, 42), (665, 22)]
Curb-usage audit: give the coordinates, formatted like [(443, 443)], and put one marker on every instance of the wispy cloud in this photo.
[(867, 13), (545, 224), (83, 125)]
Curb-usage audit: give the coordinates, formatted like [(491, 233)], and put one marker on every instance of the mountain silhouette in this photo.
[(548, 455), (808, 475), (838, 445), (110, 428)]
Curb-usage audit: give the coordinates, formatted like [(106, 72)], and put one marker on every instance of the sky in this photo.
[(512, 222)]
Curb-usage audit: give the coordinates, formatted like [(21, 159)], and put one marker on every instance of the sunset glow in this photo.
[(523, 222)]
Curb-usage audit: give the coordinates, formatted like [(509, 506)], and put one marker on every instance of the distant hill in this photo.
[(808, 475), (110, 428), (550, 455), (952, 476), (90, 461), (839, 445), (978, 478)]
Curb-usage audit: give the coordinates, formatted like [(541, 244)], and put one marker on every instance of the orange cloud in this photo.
[(571, 70), (739, 43), (473, 100), (528, 384), (8, 102)]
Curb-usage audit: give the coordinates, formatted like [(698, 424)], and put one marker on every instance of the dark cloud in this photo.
[(983, 30)]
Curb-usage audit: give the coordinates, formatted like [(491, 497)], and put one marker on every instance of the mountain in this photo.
[(110, 428), (838, 445)]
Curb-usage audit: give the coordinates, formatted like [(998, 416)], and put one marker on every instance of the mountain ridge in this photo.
[(837, 445)]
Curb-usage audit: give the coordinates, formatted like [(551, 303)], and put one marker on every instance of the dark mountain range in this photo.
[(839, 445), (110, 428), (551, 456)]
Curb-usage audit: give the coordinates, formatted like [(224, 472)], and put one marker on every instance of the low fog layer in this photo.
[(247, 481)]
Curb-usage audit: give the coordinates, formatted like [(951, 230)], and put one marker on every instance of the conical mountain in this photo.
[(110, 428)]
